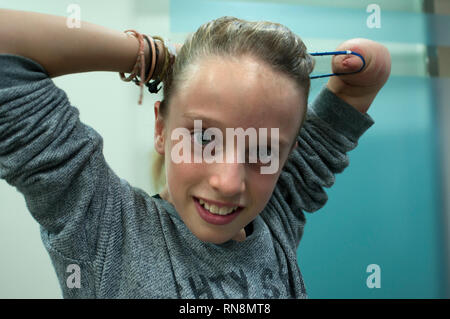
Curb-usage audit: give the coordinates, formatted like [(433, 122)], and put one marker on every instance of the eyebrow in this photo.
[(196, 116)]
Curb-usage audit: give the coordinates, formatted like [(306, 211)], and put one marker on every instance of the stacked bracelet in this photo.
[(139, 65), (151, 53), (169, 57), (140, 76), (153, 86)]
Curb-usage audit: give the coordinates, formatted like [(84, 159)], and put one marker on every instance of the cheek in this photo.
[(180, 175), (183, 175), (261, 187)]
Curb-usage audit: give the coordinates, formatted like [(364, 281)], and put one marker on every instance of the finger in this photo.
[(346, 63)]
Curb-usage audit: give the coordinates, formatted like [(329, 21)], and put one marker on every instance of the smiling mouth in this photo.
[(216, 210), (215, 217)]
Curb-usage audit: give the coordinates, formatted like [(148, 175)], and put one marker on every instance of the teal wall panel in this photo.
[(384, 208), (315, 21)]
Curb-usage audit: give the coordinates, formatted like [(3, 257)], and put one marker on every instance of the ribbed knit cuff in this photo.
[(340, 115)]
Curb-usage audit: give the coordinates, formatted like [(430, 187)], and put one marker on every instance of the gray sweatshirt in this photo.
[(128, 244)]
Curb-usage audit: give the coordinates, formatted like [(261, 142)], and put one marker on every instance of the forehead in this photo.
[(241, 92)]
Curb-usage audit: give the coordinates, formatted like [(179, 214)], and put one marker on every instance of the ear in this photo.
[(159, 129)]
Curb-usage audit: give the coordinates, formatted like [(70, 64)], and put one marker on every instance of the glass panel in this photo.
[(398, 5)]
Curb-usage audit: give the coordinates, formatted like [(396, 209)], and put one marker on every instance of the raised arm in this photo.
[(335, 121), (61, 50), (47, 153)]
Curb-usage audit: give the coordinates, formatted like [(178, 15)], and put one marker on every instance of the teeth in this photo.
[(217, 210)]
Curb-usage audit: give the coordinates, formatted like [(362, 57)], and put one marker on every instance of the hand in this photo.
[(360, 89)]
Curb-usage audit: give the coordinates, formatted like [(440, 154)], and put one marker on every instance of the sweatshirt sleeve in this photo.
[(331, 129), (50, 157)]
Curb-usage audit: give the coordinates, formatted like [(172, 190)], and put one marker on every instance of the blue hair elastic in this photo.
[(337, 53)]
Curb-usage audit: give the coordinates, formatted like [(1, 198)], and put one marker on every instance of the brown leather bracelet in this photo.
[(150, 54)]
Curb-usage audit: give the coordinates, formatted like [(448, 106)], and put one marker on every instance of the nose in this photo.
[(228, 178)]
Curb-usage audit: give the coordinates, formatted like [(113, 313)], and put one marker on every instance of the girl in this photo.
[(216, 230)]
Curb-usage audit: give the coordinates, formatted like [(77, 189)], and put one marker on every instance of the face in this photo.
[(227, 93)]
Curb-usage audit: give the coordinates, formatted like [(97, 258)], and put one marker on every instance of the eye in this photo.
[(199, 137)]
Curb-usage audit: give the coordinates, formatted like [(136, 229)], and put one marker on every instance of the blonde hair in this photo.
[(227, 36)]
